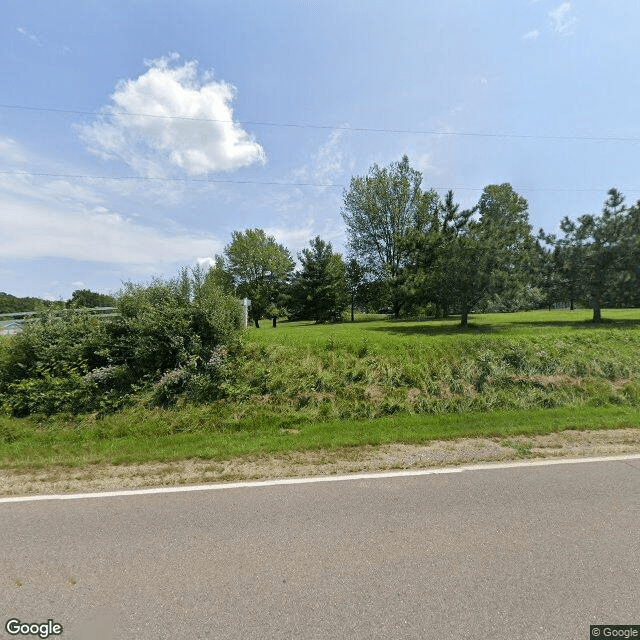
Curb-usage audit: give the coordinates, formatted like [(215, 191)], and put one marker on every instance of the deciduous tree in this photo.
[(260, 268), (354, 279), (379, 211)]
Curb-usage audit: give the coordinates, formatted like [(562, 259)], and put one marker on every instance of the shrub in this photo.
[(166, 332)]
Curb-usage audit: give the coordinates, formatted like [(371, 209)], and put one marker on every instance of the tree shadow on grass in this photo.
[(435, 327)]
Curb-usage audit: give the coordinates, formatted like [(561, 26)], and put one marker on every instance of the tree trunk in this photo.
[(597, 312), (352, 306), (256, 321), (571, 305), (464, 317)]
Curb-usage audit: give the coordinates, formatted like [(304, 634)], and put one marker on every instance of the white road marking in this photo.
[(310, 480)]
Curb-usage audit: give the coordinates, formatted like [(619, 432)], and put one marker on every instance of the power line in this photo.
[(431, 132), (297, 184), (166, 179)]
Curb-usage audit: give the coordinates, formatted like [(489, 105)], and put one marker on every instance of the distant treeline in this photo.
[(79, 298), (13, 304)]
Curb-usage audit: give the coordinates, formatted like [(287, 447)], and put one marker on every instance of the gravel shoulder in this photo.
[(569, 444)]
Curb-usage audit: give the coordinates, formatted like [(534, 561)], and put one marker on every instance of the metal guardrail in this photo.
[(17, 318), (35, 313)]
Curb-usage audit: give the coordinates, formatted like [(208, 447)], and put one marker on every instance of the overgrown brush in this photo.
[(412, 367), (169, 337)]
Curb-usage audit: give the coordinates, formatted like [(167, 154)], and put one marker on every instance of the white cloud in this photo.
[(35, 230), (12, 151), (562, 22), (27, 34), (207, 262), (305, 212), (326, 164), (192, 129), (294, 238), (423, 162), (531, 35)]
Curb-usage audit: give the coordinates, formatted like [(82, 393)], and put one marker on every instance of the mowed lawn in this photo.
[(301, 386)]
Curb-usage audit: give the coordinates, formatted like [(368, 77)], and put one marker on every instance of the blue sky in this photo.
[(552, 87)]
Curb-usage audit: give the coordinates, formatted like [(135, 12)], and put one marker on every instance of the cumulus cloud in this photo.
[(206, 263), (172, 117), (562, 22), (531, 35)]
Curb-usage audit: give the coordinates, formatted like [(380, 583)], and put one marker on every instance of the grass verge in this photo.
[(164, 436)]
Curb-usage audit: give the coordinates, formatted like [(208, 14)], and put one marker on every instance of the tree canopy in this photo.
[(260, 267), (321, 283), (379, 211)]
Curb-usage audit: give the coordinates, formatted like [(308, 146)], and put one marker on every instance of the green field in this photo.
[(302, 386)]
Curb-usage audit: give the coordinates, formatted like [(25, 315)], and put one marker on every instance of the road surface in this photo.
[(519, 552)]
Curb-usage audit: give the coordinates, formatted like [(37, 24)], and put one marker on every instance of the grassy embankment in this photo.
[(302, 387)]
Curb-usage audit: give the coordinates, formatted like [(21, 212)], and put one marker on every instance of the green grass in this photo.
[(502, 361), (136, 438), (371, 382)]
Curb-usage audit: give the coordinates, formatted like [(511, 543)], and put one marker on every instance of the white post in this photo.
[(246, 303)]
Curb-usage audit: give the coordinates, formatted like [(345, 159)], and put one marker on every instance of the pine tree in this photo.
[(322, 282)]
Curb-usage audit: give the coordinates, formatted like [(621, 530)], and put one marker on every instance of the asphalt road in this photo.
[(517, 553)]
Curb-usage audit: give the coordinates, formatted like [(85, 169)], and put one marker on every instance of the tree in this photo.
[(602, 255), (459, 260), (568, 261), (220, 275), (322, 282), (379, 210), (354, 279), (12, 304), (89, 299), (548, 270), (599, 256), (629, 283), (429, 276), (491, 255), (260, 268)]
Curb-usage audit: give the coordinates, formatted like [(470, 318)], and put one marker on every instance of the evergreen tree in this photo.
[(601, 247), (322, 282), (494, 254), (429, 274)]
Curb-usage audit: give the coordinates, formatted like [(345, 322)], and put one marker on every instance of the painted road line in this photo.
[(310, 480)]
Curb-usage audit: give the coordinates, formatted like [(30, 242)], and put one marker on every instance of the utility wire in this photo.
[(166, 179), (295, 184), (431, 132)]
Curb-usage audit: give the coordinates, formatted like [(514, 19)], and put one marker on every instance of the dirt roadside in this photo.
[(569, 444)]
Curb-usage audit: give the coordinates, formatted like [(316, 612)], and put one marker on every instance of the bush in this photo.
[(73, 361)]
